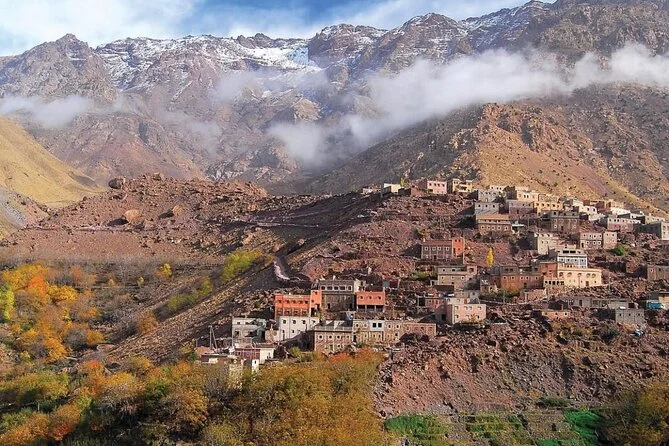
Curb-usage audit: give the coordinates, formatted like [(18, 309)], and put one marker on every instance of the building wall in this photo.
[(580, 277), (457, 313), (517, 207), (659, 229), (442, 249), (296, 304), (543, 242), (564, 222), (554, 314), (290, 327), (624, 225), (485, 207), (520, 281), (657, 272), (630, 316), (370, 299), (486, 224)]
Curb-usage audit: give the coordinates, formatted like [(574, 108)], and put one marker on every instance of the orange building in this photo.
[(297, 304), (370, 300)]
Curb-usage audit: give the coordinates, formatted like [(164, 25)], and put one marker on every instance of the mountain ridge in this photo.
[(208, 106)]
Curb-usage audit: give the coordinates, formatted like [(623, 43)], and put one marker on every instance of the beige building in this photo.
[(598, 240), (579, 277), (491, 223), (458, 276), (460, 187), (459, 312), (543, 242)]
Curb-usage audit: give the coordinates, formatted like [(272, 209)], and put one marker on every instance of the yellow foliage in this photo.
[(18, 278), (146, 324), (62, 293), (164, 271)]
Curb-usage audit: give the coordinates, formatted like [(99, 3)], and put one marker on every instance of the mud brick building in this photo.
[(336, 336), (513, 278), (624, 225), (370, 301), (459, 277), (566, 255), (598, 240), (338, 294), (459, 311), (659, 229), (563, 222), (493, 223), (516, 208), (432, 186), (458, 186), (442, 249), (542, 242), (630, 316), (657, 272), (579, 277)]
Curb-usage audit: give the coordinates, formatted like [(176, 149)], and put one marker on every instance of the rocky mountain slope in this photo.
[(605, 141), (30, 175), (208, 106)]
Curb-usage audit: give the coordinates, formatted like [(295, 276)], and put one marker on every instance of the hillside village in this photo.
[(450, 287)]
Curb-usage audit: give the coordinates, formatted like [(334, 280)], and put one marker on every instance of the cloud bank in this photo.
[(48, 114), (427, 90)]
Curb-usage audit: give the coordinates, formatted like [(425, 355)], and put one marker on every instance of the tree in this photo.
[(6, 303), (640, 417), (490, 258)]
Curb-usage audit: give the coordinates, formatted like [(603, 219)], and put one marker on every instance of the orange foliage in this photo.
[(31, 431), (64, 421), (18, 278)]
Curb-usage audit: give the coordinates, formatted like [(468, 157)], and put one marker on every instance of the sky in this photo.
[(26, 23)]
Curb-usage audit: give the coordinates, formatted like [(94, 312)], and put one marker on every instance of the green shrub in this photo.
[(608, 334), (182, 301), (619, 250), (553, 401), (240, 262)]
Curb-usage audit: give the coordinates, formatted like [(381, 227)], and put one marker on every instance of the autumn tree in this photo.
[(490, 258), (6, 303), (640, 417)]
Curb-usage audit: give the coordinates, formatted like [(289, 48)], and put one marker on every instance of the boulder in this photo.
[(117, 183), (158, 176), (132, 216), (175, 211)]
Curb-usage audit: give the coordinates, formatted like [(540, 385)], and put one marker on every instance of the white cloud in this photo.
[(27, 23), (54, 114), (427, 90)]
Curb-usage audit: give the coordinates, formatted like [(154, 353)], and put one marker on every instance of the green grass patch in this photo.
[(420, 430), (585, 423)]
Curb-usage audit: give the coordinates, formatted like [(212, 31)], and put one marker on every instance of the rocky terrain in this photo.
[(513, 364), (209, 106)]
